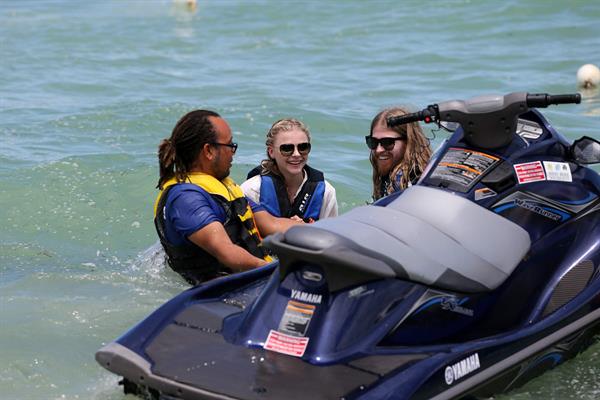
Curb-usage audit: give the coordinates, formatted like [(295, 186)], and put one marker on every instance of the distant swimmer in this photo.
[(191, 4), (588, 76)]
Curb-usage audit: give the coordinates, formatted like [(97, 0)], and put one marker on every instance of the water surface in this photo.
[(88, 89)]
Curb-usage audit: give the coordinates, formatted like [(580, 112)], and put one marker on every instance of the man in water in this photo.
[(205, 224)]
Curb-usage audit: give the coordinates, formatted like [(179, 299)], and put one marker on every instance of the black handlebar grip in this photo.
[(542, 100), (405, 119), (565, 98)]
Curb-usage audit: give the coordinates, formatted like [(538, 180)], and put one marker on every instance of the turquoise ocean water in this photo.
[(89, 88)]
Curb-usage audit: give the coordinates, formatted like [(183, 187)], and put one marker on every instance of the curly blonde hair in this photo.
[(283, 125), (416, 156)]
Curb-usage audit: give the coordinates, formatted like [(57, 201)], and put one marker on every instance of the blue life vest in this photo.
[(191, 261), (308, 203)]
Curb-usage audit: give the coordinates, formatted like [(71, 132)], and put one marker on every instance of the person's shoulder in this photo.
[(251, 186), (329, 186), (330, 206), (187, 193), (186, 187), (251, 182), (330, 196)]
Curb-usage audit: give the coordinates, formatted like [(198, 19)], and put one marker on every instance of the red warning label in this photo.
[(530, 172), (286, 344)]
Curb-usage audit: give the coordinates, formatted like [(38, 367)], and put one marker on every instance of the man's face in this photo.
[(386, 159), (221, 164)]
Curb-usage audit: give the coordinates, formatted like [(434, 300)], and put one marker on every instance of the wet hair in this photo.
[(416, 155), (177, 154), (283, 125)]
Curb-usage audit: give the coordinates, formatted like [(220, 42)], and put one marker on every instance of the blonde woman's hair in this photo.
[(416, 155), (283, 125)]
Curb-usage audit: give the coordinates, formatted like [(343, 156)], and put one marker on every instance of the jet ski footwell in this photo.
[(189, 361), (194, 362)]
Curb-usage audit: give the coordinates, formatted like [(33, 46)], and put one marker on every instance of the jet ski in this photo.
[(469, 283)]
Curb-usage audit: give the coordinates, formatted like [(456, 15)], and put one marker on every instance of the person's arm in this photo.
[(268, 224), (330, 206), (251, 188), (214, 239)]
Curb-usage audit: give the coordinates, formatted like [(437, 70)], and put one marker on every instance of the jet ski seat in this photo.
[(426, 235)]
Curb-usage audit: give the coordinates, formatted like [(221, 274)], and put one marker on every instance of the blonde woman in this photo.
[(283, 183), (398, 155)]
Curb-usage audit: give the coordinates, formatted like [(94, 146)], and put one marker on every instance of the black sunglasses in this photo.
[(233, 146), (287, 149), (387, 143)]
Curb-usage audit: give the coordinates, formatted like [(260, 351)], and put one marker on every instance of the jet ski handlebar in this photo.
[(488, 121), (533, 100)]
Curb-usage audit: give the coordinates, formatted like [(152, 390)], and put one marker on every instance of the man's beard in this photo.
[(220, 175)]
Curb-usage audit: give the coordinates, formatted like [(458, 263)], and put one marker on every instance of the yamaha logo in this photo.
[(449, 375), (461, 369), (306, 297)]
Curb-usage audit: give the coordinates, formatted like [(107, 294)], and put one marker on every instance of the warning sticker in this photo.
[(286, 344), (463, 166), (558, 171), (296, 318), (530, 172)]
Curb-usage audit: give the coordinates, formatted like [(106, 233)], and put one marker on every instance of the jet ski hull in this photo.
[(187, 357)]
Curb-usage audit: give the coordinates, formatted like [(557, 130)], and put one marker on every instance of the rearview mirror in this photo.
[(586, 150)]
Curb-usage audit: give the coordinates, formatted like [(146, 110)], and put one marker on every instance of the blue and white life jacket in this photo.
[(274, 197)]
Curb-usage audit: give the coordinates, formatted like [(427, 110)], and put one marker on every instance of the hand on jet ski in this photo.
[(472, 281), (205, 224)]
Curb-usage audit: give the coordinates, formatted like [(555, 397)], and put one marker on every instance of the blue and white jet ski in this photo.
[(469, 283)]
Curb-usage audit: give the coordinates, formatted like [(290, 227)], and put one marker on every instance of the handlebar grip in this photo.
[(429, 114), (542, 100), (405, 119), (565, 98)]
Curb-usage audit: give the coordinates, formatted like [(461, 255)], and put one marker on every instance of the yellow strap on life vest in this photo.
[(226, 188)]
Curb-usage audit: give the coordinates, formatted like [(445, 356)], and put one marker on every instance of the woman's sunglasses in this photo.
[(287, 149), (387, 143)]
